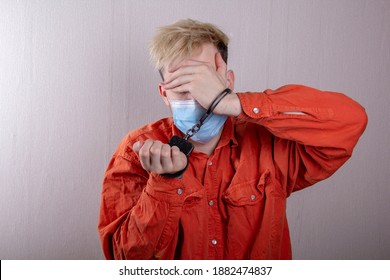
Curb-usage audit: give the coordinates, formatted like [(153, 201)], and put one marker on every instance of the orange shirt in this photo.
[(232, 204)]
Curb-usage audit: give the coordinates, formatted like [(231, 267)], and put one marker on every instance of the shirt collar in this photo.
[(227, 135)]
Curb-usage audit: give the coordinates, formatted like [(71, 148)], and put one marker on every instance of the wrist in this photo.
[(230, 105)]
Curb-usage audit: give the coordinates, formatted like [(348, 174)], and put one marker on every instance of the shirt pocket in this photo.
[(193, 200), (245, 207), (247, 193)]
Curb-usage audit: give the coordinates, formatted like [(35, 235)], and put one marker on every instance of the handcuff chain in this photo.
[(193, 130)]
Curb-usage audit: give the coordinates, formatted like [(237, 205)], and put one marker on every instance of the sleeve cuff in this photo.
[(169, 190), (254, 105)]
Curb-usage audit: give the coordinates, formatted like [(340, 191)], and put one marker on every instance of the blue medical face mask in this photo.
[(186, 113)]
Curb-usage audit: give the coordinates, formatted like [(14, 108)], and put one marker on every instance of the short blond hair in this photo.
[(179, 40)]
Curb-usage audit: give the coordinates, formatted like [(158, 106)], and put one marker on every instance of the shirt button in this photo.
[(256, 110), (179, 191), (214, 242), (253, 197), (211, 203), (210, 163)]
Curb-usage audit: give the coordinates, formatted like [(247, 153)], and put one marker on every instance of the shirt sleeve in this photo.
[(139, 211), (315, 131)]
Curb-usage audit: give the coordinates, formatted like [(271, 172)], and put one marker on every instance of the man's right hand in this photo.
[(160, 158)]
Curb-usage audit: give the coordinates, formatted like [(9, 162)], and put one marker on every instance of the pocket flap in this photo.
[(246, 193)]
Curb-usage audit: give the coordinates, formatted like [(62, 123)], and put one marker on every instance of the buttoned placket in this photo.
[(212, 190), (211, 202)]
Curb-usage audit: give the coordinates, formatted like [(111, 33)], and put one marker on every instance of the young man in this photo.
[(251, 153)]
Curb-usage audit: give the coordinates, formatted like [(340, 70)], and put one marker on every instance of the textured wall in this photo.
[(75, 78)]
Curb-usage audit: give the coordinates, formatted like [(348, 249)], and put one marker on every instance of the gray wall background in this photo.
[(75, 77)]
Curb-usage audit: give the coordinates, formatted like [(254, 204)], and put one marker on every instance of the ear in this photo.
[(163, 94), (230, 79)]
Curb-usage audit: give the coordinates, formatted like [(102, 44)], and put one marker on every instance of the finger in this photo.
[(179, 159), (182, 71), (155, 155), (180, 80), (144, 154), (188, 62), (166, 158), (182, 88), (137, 146), (190, 69)]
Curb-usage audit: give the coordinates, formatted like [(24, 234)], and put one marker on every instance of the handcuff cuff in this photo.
[(183, 144)]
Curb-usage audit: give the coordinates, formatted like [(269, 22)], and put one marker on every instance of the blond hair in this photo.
[(181, 39)]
